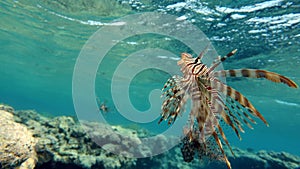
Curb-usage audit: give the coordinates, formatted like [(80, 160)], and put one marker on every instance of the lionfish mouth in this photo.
[(213, 102)]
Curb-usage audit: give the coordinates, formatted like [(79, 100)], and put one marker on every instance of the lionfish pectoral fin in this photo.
[(217, 107), (160, 120), (229, 122), (256, 73), (220, 107), (237, 96), (225, 139), (213, 124), (217, 139), (274, 77), (241, 112)]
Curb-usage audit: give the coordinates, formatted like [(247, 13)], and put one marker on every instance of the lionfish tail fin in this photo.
[(256, 73)]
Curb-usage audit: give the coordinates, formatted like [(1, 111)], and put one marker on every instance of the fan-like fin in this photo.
[(216, 101), (217, 139), (256, 73), (234, 107), (229, 91), (220, 107), (213, 112)]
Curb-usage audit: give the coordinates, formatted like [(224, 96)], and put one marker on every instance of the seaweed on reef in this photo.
[(212, 101)]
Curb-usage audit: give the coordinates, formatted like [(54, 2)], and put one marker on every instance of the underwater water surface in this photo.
[(41, 40)]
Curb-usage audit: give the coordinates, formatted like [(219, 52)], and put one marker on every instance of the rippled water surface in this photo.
[(41, 40)]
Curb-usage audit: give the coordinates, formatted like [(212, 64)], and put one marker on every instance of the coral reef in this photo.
[(64, 143), (261, 160), (16, 142)]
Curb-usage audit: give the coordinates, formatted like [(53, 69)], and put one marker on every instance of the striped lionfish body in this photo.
[(212, 101)]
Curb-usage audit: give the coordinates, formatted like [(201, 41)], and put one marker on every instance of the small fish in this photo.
[(212, 101), (102, 106)]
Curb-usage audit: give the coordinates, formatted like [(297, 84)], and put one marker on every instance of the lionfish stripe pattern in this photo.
[(254, 73), (212, 101)]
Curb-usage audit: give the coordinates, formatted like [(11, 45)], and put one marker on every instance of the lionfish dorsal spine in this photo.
[(203, 52), (219, 60)]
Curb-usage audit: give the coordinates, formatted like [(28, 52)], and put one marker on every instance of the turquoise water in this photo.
[(41, 40)]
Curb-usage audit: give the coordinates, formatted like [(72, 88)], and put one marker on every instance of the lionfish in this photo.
[(212, 102)]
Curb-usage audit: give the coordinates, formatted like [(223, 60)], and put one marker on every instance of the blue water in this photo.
[(41, 40)]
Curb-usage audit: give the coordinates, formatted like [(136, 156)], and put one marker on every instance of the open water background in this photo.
[(41, 40)]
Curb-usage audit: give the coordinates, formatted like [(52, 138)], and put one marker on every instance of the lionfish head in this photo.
[(190, 65)]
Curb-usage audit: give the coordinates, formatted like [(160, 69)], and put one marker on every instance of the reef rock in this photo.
[(260, 160), (63, 142), (16, 142)]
